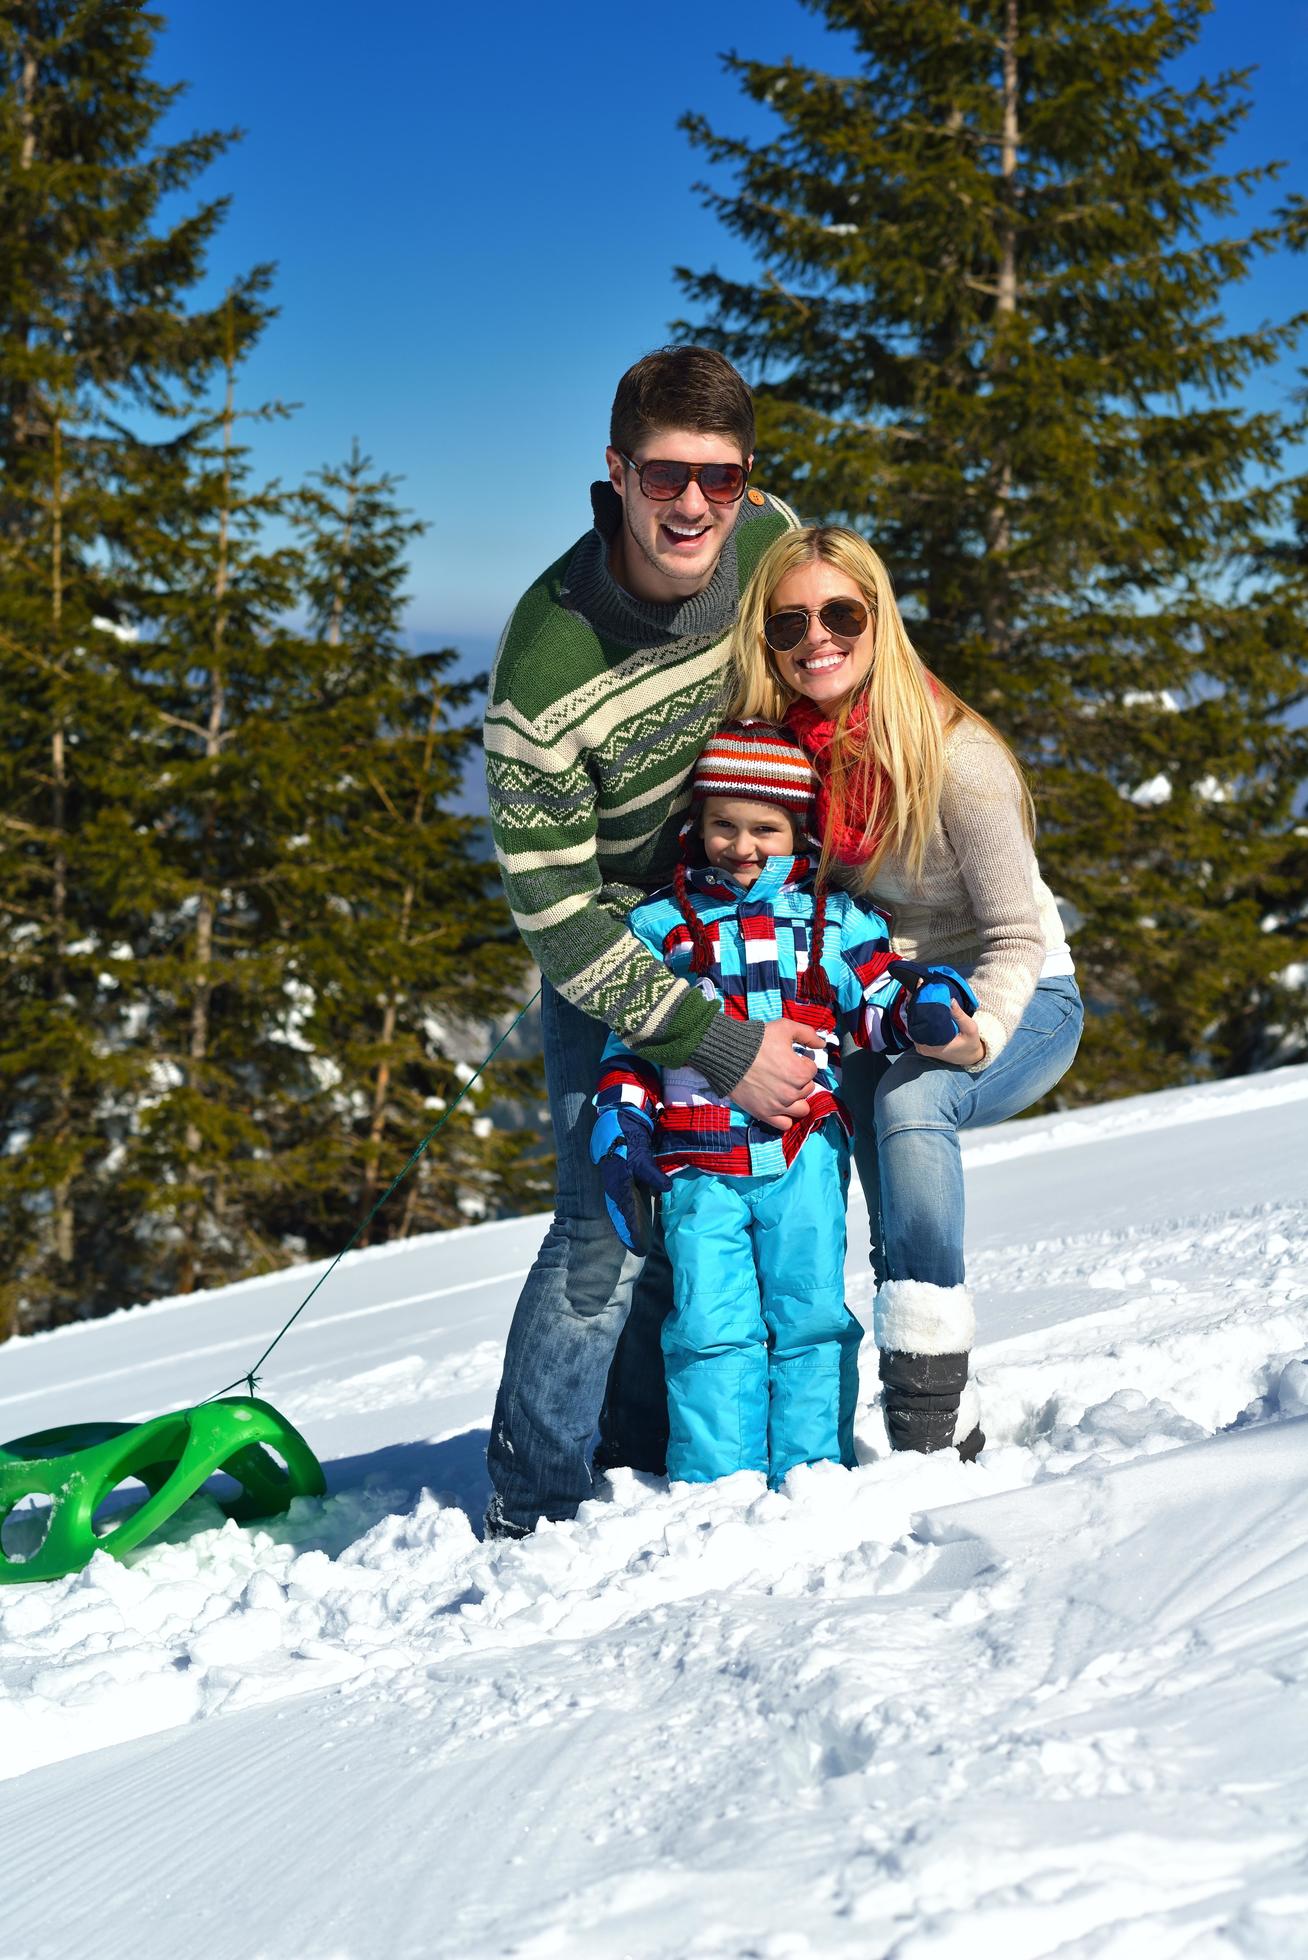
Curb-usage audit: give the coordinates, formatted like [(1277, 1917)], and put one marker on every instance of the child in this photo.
[(761, 1350)]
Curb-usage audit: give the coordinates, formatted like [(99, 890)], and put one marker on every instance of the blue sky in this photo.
[(475, 216)]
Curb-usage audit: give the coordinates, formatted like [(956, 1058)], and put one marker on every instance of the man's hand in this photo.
[(776, 1086)]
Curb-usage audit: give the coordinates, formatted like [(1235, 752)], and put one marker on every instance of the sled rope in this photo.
[(250, 1380)]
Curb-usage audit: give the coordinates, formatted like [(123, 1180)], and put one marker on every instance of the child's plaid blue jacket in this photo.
[(761, 937)]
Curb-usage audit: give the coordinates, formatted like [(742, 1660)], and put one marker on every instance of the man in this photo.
[(607, 683)]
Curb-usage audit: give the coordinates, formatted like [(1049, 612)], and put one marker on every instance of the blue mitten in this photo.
[(930, 990), (622, 1145)]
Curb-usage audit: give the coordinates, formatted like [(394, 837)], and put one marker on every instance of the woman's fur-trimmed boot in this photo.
[(925, 1334)]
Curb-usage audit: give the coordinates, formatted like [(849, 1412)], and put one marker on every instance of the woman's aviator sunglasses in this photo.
[(844, 619), (721, 483)]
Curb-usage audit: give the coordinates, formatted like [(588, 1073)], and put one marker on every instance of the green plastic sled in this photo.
[(77, 1467)]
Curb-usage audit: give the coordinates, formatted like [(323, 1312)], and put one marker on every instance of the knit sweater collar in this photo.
[(589, 588)]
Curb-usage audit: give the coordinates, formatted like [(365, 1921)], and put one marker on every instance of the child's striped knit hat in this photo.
[(758, 760)]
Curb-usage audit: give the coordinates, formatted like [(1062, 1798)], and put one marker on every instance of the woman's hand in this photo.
[(967, 1047)]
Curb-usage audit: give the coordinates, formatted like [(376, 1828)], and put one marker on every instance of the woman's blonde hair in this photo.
[(893, 769)]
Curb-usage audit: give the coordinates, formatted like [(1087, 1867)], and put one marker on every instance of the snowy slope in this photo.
[(1052, 1703)]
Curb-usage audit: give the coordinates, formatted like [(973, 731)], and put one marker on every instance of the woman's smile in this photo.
[(821, 663)]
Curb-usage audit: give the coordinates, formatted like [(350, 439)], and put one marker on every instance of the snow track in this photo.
[(1052, 1703)]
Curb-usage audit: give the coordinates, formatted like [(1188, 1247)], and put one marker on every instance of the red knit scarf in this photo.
[(844, 826)]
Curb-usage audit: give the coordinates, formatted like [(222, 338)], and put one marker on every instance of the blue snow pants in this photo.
[(761, 1350)]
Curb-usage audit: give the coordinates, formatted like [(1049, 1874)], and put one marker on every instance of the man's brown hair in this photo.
[(682, 388)]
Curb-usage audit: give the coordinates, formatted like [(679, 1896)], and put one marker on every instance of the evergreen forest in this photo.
[(250, 949), (997, 257), (251, 945)]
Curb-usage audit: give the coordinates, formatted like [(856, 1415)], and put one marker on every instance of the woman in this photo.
[(923, 808)]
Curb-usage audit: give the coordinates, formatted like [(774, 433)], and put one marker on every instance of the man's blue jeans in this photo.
[(907, 1117), (573, 1307)]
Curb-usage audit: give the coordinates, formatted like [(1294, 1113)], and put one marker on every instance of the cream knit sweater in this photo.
[(980, 903)]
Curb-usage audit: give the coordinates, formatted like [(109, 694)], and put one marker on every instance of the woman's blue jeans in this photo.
[(560, 1377), (907, 1116)]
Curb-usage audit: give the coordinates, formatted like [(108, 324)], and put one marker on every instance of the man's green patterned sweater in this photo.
[(599, 705)]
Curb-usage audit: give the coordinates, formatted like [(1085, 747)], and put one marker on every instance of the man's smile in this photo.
[(683, 536)]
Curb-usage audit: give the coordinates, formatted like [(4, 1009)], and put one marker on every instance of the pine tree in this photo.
[(217, 789), (246, 943), (311, 929), (988, 328), (409, 950), (93, 284), (63, 726)]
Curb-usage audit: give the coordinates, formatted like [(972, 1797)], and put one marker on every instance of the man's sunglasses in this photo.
[(721, 483), (844, 619)]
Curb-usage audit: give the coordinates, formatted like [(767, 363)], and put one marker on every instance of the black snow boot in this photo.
[(925, 1335)]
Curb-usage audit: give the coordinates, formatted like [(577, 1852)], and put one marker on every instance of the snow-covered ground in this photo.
[(1052, 1703)]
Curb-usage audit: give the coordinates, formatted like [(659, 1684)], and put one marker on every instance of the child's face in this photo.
[(741, 835)]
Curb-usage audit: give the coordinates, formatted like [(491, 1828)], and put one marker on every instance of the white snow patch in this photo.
[(1151, 794), (1161, 698), (129, 635), (1055, 1702)]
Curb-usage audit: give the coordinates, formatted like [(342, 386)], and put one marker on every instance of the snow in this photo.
[(1162, 698), (129, 635), (1150, 794), (1053, 1703)]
